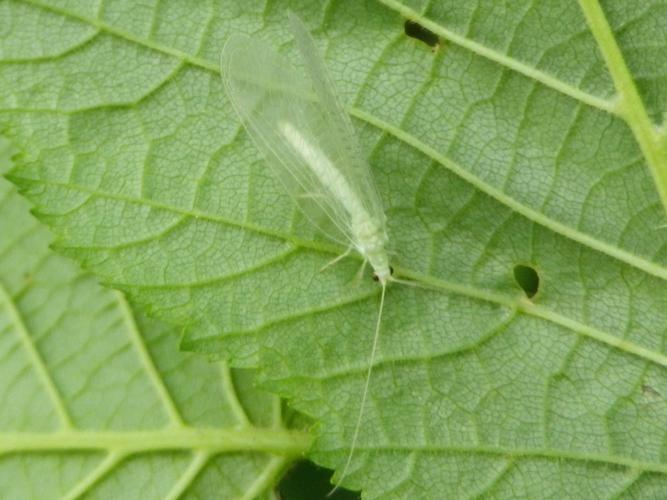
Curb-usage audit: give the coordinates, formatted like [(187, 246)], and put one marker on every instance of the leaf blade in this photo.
[(553, 154)]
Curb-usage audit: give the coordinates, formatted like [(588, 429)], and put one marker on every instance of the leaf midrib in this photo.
[(211, 440), (531, 214), (630, 105), (282, 442), (517, 454)]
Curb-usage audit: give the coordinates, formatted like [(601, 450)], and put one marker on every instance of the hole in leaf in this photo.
[(528, 279), (417, 31)]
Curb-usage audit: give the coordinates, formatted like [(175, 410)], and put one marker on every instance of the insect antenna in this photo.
[(364, 396)]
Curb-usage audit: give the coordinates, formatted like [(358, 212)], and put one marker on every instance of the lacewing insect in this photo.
[(308, 141)]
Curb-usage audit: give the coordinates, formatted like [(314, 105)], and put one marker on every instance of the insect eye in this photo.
[(375, 277), (391, 270)]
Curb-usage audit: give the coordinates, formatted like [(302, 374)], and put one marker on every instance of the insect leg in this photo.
[(360, 272), (337, 259)]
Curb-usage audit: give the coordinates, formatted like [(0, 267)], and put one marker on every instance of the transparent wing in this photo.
[(351, 159), (305, 137)]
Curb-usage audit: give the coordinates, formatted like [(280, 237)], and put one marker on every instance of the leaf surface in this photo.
[(529, 137), (97, 400)]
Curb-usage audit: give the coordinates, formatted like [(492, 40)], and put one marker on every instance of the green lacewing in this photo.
[(307, 139)]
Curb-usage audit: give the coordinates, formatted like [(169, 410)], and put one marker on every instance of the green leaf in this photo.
[(98, 402), (528, 138)]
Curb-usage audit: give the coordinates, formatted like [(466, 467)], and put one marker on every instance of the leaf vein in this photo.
[(265, 479), (104, 467), (229, 390), (519, 454), (630, 104), (530, 213), (147, 361), (36, 359), (217, 279), (502, 59), (198, 462)]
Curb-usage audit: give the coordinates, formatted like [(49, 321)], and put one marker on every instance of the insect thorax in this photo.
[(370, 238)]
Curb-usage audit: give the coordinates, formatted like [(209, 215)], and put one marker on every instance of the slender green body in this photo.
[(308, 141), (367, 233)]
